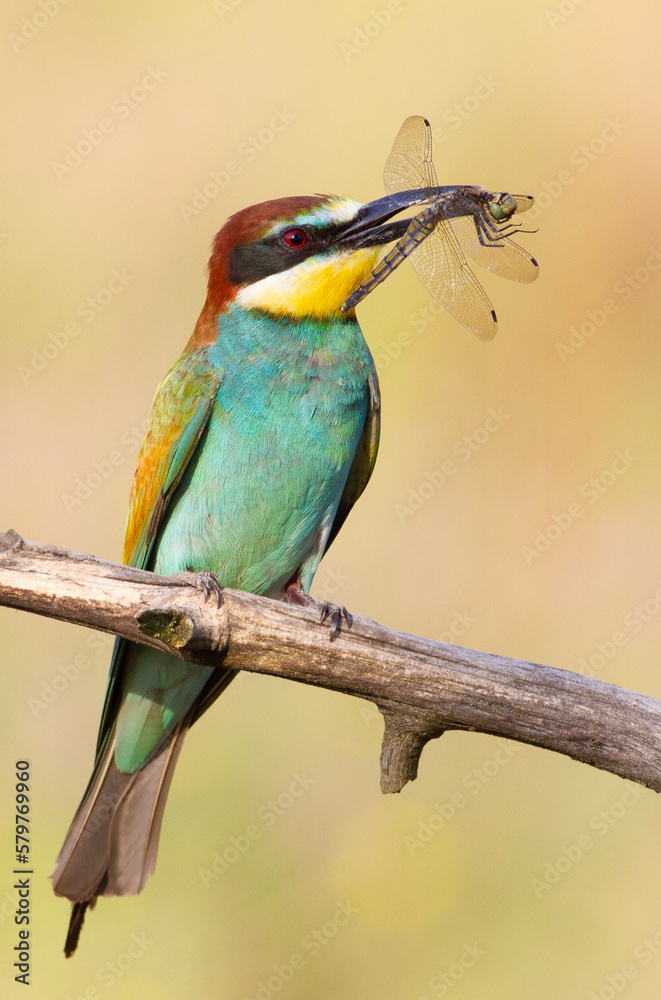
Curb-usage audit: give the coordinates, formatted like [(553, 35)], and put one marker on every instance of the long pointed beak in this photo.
[(369, 226)]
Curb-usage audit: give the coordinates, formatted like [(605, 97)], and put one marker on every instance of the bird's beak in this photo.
[(371, 227)]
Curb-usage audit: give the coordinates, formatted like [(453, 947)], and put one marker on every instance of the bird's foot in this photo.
[(334, 614), (207, 582)]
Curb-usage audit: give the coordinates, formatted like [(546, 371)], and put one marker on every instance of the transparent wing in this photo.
[(439, 261), (442, 268), (498, 254), (523, 202), (410, 165)]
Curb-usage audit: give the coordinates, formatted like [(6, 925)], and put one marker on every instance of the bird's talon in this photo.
[(334, 615), (214, 588), (207, 582), (335, 624)]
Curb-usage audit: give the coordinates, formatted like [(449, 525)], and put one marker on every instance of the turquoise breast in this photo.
[(259, 496)]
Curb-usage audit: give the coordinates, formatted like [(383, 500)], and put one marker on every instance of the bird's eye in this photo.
[(295, 238)]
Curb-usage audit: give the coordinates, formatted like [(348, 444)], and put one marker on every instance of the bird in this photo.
[(261, 438)]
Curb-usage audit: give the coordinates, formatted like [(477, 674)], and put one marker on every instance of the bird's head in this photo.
[(298, 257)]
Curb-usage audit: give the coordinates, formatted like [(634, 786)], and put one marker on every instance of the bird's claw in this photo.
[(207, 582), (334, 613)]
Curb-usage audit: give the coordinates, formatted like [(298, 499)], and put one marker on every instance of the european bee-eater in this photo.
[(261, 438)]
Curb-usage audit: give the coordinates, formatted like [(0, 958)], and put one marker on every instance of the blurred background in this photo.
[(131, 131)]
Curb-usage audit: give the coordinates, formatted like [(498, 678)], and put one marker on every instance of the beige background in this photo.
[(569, 112)]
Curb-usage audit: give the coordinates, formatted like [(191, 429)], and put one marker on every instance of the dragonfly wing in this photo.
[(438, 262), (523, 202), (442, 268), (410, 164), (501, 256)]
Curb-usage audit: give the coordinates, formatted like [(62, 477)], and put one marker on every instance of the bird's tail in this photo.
[(111, 846)]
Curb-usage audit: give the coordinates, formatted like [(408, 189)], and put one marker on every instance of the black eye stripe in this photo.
[(250, 262)]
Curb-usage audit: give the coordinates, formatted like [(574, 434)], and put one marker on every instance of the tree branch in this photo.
[(422, 687)]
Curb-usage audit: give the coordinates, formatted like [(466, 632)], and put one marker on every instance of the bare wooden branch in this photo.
[(422, 687)]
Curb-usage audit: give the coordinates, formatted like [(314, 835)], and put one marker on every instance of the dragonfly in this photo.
[(458, 218)]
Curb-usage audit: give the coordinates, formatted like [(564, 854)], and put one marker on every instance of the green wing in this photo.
[(179, 414), (363, 462)]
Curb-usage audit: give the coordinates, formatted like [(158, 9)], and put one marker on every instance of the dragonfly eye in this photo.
[(295, 238), (503, 208)]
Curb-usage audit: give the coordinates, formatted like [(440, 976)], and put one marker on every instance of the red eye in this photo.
[(295, 238)]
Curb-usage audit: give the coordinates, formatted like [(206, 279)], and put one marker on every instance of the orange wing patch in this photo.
[(179, 414)]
